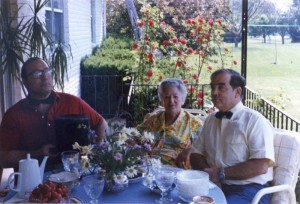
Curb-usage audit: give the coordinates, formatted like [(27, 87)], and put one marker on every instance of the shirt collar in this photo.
[(239, 106)]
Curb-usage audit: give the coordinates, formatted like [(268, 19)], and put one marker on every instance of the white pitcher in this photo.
[(30, 175)]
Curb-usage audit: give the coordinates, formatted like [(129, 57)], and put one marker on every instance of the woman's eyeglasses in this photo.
[(39, 73)]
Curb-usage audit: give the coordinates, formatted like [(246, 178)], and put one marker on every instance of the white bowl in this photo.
[(69, 179), (191, 183)]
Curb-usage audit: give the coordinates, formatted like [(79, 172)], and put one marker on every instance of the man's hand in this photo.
[(183, 158), (213, 173)]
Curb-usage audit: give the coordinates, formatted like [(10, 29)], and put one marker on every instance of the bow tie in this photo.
[(221, 114), (36, 102)]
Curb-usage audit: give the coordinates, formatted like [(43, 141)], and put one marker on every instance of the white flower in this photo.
[(76, 146), (87, 149), (131, 172), (149, 136), (131, 131), (118, 178), (122, 139), (85, 164)]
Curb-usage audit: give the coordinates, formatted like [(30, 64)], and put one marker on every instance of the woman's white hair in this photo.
[(172, 82)]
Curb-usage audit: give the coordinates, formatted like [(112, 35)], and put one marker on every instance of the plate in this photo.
[(136, 180), (76, 200), (185, 199)]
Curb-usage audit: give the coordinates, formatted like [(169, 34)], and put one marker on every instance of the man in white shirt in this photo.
[(236, 144)]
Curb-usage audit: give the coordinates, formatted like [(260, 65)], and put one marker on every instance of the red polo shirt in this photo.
[(24, 128)]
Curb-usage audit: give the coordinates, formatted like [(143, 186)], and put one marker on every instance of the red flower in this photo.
[(200, 39), (190, 50), (135, 46), (151, 23), (207, 35), (234, 62), (192, 33), (182, 41), (190, 21), (210, 22), (166, 42), (200, 102), (195, 76), (200, 20), (175, 40), (199, 28), (179, 63), (185, 81), (151, 60), (150, 73), (219, 21), (179, 52), (200, 94), (150, 55), (191, 89), (226, 49), (209, 67), (141, 23)]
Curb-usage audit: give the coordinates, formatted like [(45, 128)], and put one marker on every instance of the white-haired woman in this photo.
[(175, 129)]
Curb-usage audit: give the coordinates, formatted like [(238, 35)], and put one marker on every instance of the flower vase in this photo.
[(113, 187)]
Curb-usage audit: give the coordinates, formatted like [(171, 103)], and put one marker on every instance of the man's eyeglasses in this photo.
[(38, 74)]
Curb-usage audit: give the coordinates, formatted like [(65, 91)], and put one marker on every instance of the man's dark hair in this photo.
[(25, 65), (236, 79)]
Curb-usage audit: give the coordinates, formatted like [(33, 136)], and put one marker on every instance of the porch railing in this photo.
[(110, 96), (275, 115)]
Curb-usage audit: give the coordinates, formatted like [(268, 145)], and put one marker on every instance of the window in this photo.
[(54, 20)]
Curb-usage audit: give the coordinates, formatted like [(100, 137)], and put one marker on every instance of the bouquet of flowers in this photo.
[(120, 154)]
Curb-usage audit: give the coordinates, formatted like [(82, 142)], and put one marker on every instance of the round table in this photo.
[(138, 193)]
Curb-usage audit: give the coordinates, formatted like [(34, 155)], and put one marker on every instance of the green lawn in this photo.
[(273, 80)]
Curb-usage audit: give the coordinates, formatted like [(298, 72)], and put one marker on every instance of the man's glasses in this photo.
[(38, 74)]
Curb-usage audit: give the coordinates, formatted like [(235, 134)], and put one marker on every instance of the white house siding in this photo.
[(78, 34)]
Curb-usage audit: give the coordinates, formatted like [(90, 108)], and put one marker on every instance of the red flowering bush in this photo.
[(190, 52)]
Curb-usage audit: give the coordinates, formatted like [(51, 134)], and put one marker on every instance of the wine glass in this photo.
[(71, 161), (164, 179), (93, 186), (154, 163)]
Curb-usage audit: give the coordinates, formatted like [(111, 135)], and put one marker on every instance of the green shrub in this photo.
[(113, 57)]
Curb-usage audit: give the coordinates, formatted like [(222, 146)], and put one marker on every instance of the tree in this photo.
[(255, 9), (295, 21), (283, 20)]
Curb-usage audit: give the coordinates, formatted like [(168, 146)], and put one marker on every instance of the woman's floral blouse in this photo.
[(171, 140)]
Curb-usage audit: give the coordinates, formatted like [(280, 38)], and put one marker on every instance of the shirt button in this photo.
[(49, 124), (43, 117)]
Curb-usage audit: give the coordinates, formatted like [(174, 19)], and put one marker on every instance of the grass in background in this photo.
[(273, 70)]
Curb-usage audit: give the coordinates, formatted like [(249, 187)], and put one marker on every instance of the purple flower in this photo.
[(104, 145), (118, 156), (147, 147)]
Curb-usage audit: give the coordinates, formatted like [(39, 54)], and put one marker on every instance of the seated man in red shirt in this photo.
[(28, 126)]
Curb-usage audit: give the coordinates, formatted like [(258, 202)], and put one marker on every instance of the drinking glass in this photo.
[(164, 179), (93, 186), (154, 163), (71, 162)]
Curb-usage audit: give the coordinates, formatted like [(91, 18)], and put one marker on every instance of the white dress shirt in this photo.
[(227, 142)]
